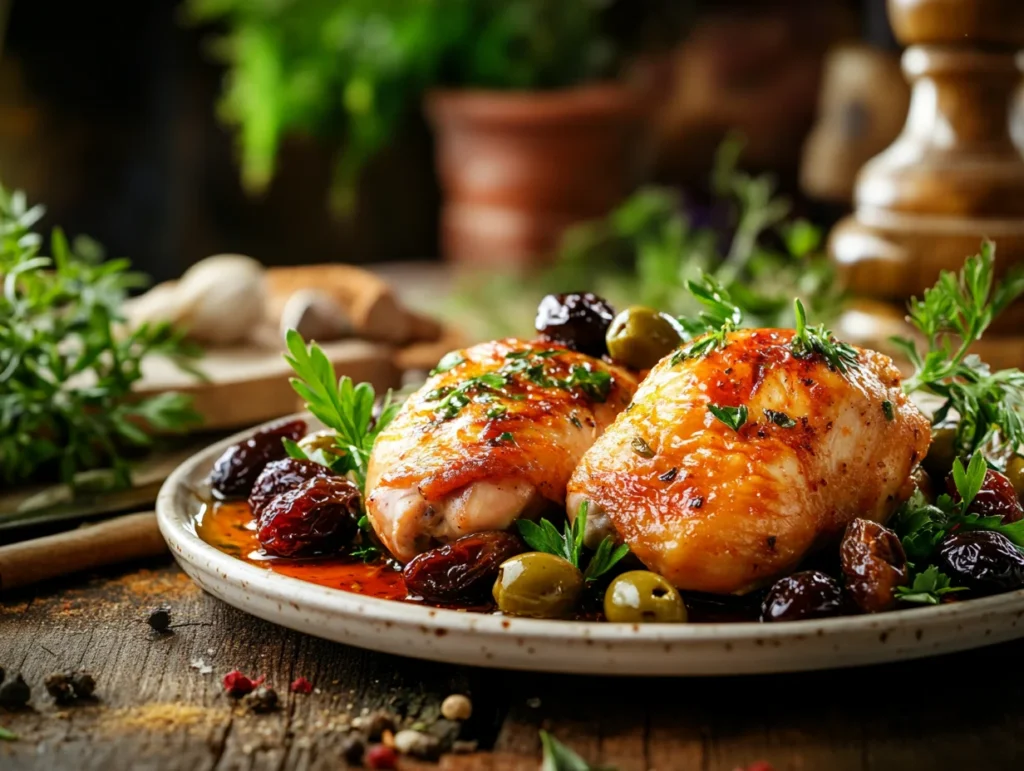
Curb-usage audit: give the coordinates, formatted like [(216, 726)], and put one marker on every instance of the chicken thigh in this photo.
[(491, 438), (724, 510)]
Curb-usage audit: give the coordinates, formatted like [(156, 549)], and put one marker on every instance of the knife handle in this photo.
[(116, 540)]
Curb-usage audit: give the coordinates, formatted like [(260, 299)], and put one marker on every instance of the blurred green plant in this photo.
[(645, 251), (66, 375), (351, 69)]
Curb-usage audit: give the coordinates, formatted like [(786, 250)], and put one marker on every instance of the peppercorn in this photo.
[(160, 618), (352, 749), (375, 724), (2, 674), (83, 684), (262, 700), (58, 685), (301, 685), (15, 693), (238, 685), (457, 707)]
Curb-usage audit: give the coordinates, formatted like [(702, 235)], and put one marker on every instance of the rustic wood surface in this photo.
[(156, 710)]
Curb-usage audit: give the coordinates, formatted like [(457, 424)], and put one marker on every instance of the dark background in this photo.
[(107, 117)]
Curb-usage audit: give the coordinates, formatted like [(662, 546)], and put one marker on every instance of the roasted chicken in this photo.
[(725, 508), (492, 437)]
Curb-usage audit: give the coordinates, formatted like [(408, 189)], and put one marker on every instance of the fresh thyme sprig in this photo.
[(342, 406), (709, 329), (569, 545), (66, 374), (809, 341), (952, 316)]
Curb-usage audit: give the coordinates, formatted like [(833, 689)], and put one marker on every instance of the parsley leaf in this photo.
[(710, 329), (558, 757), (340, 405), (809, 341), (969, 482), (733, 417), (543, 536), (927, 588), (952, 316)]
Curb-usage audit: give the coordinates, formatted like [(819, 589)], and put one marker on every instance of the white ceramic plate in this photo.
[(567, 646)]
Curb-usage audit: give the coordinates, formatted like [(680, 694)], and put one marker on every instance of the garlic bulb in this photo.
[(218, 300)]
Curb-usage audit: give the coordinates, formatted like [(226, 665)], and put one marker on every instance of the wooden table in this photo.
[(959, 712)]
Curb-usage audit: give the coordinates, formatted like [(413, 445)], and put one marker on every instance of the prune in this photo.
[(984, 560), (874, 565), (279, 476), (463, 570), (578, 320), (318, 517), (237, 468), (810, 594), (997, 497)]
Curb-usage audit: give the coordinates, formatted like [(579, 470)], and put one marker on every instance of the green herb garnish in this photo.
[(953, 315), (809, 341), (558, 757), (710, 328), (507, 436), (543, 536), (781, 419), (641, 448), (7, 735), (733, 417), (927, 588), (450, 360), (888, 411), (66, 372), (342, 406)]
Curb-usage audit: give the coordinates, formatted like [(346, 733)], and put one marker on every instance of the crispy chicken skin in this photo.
[(434, 477), (716, 510)]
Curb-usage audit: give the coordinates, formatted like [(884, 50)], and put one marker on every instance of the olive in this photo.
[(941, 452), (810, 594), (538, 585), (1015, 473), (577, 320), (984, 560), (640, 337), (642, 597), (996, 498), (874, 564)]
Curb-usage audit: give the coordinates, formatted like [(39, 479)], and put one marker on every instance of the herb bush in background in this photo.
[(647, 250), (350, 70)]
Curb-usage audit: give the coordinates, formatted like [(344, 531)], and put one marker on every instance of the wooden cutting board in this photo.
[(249, 385)]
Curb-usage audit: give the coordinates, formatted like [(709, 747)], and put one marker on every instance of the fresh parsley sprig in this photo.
[(927, 588), (809, 341), (952, 316), (543, 536), (342, 406), (558, 757)]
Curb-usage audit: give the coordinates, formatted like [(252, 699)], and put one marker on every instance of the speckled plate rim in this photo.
[(566, 646)]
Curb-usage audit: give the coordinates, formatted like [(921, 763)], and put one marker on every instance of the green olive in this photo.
[(1015, 471), (640, 337), (642, 597), (538, 585), (321, 441), (942, 452)]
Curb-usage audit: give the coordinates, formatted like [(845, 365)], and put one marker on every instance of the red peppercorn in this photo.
[(760, 765), (237, 685), (301, 685), (379, 756)]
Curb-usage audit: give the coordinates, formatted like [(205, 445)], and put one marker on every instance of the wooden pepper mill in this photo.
[(954, 176)]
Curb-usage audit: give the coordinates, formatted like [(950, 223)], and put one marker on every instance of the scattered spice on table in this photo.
[(262, 700), (378, 756), (58, 685), (457, 707), (160, 619), (301, 685), (14, 692), (238, 685)]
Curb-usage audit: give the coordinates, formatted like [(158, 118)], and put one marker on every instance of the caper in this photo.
[(1015, 471), (640, 337), (942, 451), (538, 585), (642, 597)]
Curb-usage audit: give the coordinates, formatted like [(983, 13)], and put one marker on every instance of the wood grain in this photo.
[(955, 712)]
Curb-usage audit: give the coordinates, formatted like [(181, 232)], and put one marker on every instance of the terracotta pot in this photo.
[(518, 168)]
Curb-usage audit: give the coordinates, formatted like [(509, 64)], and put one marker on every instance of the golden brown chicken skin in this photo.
[(718, 510), (491, 439)]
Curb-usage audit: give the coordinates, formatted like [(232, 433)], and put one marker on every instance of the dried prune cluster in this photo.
[(319, 516), (237, 469), (463, 571)]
